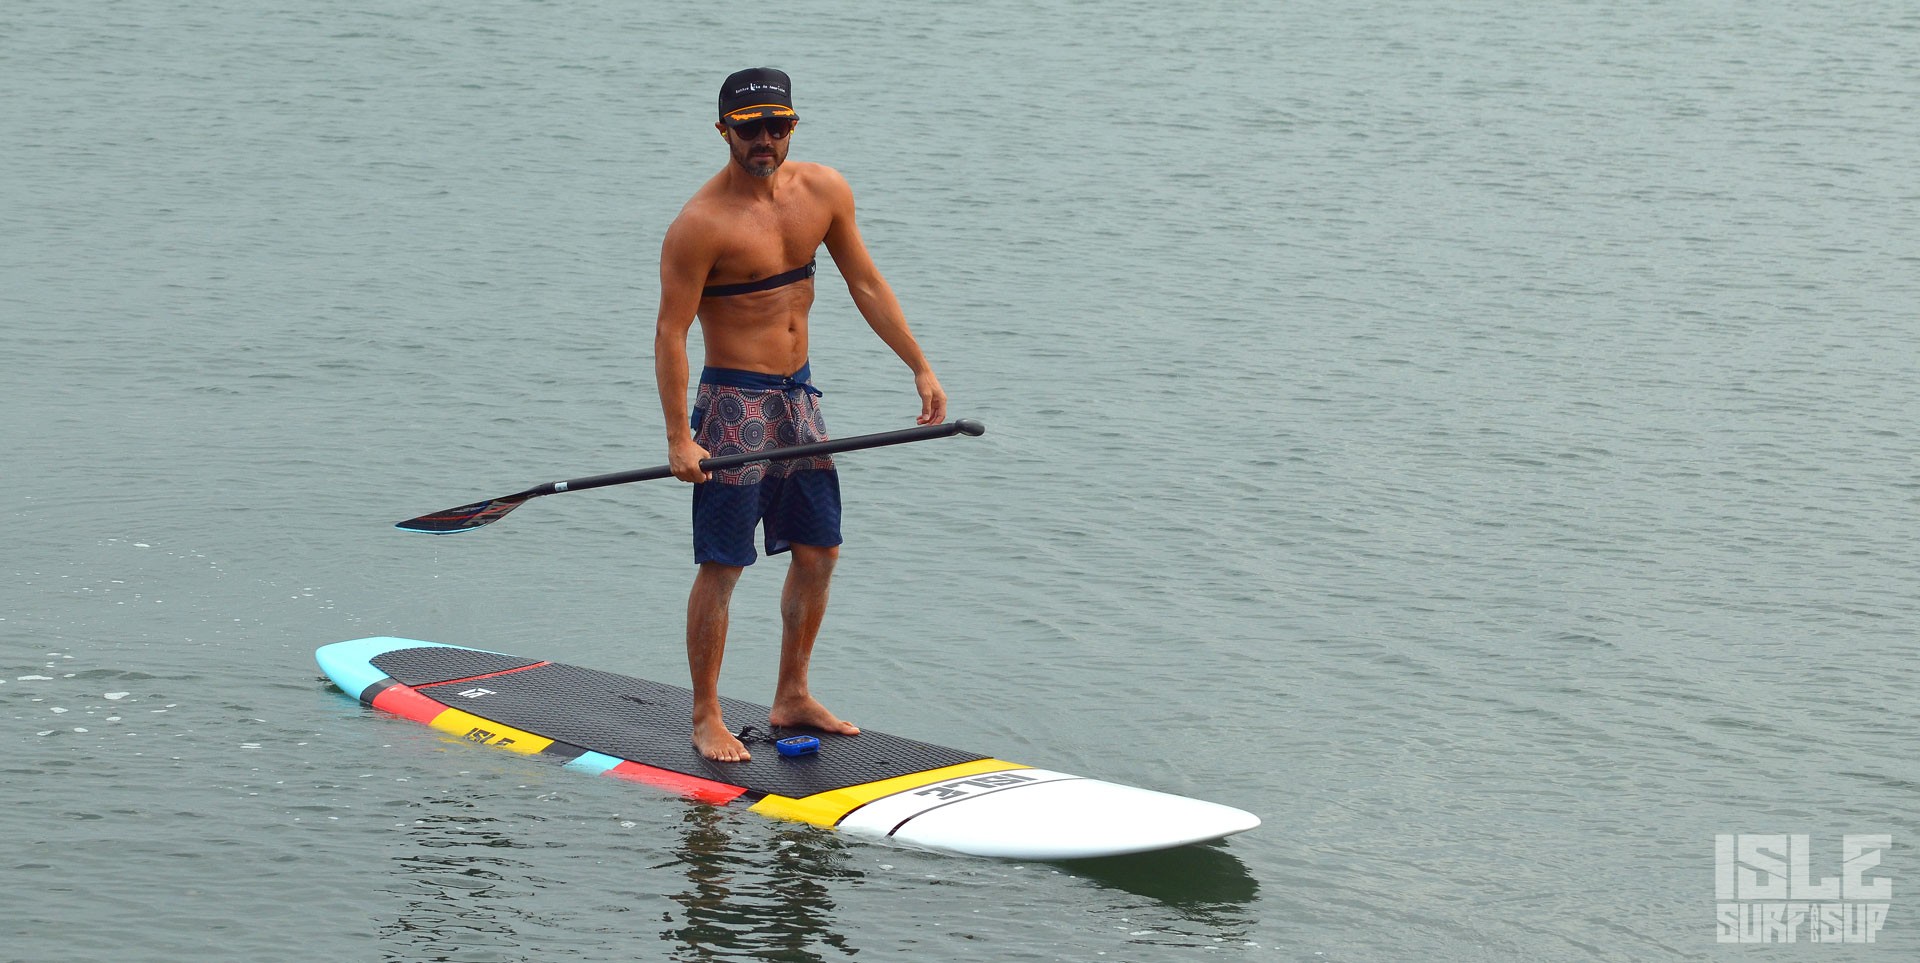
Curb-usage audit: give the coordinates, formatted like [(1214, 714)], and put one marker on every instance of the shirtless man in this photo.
[(740, 259)]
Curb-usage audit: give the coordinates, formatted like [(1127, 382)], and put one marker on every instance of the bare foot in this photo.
[(716, 743), (807, 712)]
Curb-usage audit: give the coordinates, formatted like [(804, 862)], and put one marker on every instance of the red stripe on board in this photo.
[(404, 702), (692, 787), (476, 678)]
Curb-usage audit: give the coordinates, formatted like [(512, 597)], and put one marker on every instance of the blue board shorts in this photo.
[(797, 501)]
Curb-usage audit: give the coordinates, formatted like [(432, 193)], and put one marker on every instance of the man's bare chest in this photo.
[(770, 238)]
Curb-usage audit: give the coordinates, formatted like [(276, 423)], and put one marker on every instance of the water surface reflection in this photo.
[(755, 895), (458, 904), (1205, 884)]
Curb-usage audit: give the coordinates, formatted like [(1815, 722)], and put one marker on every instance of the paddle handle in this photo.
[(963, 426)]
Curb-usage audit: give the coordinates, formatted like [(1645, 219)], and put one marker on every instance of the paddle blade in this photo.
[(466, 518)]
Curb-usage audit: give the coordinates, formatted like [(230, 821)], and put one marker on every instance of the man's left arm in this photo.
[(874, 297)]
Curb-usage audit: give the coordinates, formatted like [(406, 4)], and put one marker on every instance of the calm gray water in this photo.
[(1477, 437)]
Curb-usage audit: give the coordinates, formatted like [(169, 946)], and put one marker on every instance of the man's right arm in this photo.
[(683, 270)]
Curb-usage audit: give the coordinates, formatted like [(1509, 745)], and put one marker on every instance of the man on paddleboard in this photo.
[(740, 258)]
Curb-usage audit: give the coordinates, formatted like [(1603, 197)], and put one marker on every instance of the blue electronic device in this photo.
[(797, 745)]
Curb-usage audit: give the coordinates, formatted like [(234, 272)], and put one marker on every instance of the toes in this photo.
[(736, 752)]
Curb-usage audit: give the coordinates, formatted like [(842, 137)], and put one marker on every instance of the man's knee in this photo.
[(815, 560), (714, 575)]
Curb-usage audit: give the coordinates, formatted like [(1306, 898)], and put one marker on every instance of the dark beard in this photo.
[(765, 166)]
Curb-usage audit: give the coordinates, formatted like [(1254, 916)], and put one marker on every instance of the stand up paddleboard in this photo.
[(871, 784)]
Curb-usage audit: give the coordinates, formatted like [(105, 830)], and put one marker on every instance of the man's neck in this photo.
[(741, 181)]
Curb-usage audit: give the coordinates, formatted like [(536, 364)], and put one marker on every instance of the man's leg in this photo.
[(803, 605), (706, 643)]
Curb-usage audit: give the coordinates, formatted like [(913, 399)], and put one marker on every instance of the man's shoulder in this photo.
[(810, 170), (818, 177), (823, 187), (707, 199)]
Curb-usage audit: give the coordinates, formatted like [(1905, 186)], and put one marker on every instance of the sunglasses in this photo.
[(779, 127)]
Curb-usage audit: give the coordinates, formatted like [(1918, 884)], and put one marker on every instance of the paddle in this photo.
[(469, 517)]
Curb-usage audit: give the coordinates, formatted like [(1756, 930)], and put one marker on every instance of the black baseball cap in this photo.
[(756, 93)]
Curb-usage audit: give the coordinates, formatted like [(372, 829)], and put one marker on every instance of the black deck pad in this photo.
[(651, 722), (429, 664)]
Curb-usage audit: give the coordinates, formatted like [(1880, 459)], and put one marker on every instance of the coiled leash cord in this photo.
[(787, 745)]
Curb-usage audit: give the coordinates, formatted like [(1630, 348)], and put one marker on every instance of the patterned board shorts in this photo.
[(797, 501)]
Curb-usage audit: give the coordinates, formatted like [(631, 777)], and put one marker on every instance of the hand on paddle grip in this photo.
[(684, 458)]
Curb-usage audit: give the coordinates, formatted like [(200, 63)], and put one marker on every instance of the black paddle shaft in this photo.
[(963, 426), (469, 517)]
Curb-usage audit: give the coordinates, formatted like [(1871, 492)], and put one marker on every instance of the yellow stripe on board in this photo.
[(487, 732), (828, 808)]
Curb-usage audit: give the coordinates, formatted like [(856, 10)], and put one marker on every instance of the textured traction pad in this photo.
[(427, 665), (648, 722)]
